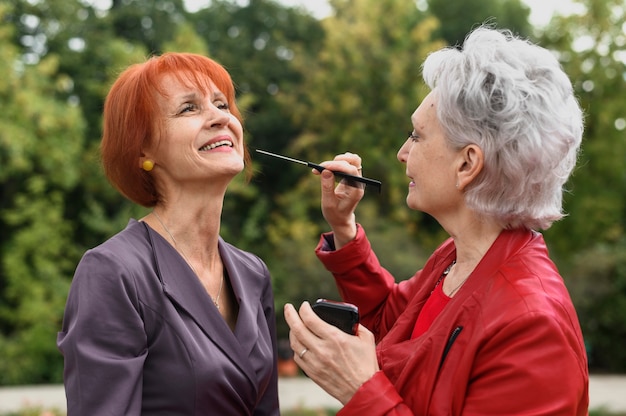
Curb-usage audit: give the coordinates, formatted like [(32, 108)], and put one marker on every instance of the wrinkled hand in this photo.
[(339, 202), (338, 362)]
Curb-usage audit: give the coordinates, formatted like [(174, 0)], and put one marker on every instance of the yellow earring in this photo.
[(147, 165)]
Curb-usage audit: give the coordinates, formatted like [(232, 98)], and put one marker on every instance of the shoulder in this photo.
[(131, 239), (527, 284), (528, 270), (123, 256)]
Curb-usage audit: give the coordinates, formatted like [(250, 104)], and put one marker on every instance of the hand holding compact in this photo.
[(339, 363)]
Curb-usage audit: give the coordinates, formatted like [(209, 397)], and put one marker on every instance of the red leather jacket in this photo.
[(508, 343)]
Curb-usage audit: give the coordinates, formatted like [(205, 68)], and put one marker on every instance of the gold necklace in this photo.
[(216, 301)]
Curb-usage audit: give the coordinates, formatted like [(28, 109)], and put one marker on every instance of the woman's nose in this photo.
[(216, 117), (403, 152)]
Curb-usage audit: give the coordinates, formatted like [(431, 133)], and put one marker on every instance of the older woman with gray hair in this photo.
[(486, 326)]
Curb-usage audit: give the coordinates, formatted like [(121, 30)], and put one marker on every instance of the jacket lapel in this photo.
[(183, 288), (423, 355), (246, 280)]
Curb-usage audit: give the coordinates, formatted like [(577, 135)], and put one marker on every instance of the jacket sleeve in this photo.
[(362, 280), (102, 340), (377, 396)]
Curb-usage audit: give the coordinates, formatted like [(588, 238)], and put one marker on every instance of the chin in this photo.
[(412, 204), (237, 169)]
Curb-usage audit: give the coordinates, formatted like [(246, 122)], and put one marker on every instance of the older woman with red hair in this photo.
[(166, 317)]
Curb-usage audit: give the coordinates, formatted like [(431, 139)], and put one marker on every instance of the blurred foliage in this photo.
[(460, 17), (590, 244), (41, 142), (308, 89), (598, 284)]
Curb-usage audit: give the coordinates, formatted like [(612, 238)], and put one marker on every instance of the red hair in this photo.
[(131, 117)]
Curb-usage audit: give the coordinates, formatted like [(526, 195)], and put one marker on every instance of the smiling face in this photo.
[(199, 137), (430, 163)]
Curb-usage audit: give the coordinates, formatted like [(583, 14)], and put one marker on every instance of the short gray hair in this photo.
[(512, 99)]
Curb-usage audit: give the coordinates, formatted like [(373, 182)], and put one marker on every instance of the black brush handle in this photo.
[(372, 182)]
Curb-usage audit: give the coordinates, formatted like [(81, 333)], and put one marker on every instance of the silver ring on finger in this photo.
[(303, 352)]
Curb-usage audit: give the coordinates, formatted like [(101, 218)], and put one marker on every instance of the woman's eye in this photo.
[(222, 105), (413, 136), (187, 107)]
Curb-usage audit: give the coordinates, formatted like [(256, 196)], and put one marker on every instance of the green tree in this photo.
[(460, 17), (54, 202), (591, 240), (597, 278), (147, 23), (591, 49), (92, 56), (41, 140)]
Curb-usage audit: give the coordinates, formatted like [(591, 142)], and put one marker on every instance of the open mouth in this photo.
[(215, 145)]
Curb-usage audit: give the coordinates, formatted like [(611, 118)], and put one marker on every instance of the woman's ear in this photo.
[(471, 165), (147, 165), (146, 162)]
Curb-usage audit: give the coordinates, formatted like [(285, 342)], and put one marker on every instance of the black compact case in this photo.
[(344, 316)]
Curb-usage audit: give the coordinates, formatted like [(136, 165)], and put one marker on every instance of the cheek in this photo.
[(415, 160), (235, 124), (236, 127)]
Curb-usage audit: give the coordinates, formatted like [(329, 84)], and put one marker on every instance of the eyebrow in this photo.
[(216, 94), (189, 96), (219, 94)]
